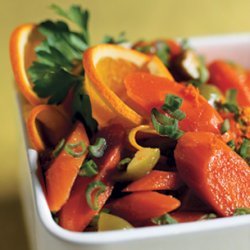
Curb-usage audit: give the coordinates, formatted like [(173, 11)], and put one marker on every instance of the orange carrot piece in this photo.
[(228, 76), (62, 172), (148, 91), (155, 180), (219, 176), (186, 216), (143, 206), (76, 214)]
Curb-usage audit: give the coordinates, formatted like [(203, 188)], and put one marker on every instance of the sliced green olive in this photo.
[(143, 162), (211, 93), (108, 222)]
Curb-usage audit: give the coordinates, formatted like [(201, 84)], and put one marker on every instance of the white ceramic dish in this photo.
[(219, 234)]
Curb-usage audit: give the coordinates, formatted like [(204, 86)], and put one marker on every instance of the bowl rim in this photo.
[(99, 238)]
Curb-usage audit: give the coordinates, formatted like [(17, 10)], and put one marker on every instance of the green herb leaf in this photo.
[(97, 150), (225, 126), (77, 16), (241, 211), (96, 185), (164, 220), (89, 169), (120, 39), (82, 110), (70, 149), (58, 67)]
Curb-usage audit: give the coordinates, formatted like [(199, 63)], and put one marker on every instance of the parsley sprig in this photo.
[(58, 67)]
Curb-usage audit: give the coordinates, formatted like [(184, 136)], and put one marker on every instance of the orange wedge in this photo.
[(46, 126), (106, 67), (22, 43)]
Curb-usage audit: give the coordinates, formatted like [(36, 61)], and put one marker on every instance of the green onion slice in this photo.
[(69, 148), (89, 169), (244, 150), (241, 211), (96, 185), (172, 103), (231, 144), (231, 96), (208, 216), (58, 148), (164, 219), (97, 150), (123, 164), (225, 126), (165, 125)]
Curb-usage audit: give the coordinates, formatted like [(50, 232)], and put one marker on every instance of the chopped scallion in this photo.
[(96, 185), (89, 169), (244, 150), (241, 211), (69, 148), (165, 125), (123, 164), (225, 126), (58, 148), (164, 220), (172, 103), (97, 150)]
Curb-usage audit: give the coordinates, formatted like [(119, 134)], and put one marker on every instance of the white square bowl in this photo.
[(219, 234)]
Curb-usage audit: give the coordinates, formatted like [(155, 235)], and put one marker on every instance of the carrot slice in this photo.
[(186, 216), (62, 172), (228, 76), (155, 180), (219, 176), (76, 214), (47, 121), (142, 206), (149, 91)]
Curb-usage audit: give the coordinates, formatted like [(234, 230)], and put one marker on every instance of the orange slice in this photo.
[(106, 67), (46, 126), (22, 43)]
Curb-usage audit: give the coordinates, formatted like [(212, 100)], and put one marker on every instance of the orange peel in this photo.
[(106, 66), (54, 124), (22, 43)]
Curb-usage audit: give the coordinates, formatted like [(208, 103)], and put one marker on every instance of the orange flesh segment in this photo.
[(149, 91)]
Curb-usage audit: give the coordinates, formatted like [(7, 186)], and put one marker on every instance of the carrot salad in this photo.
[(132, 134)]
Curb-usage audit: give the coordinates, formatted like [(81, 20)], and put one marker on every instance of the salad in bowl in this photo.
[(131, 134)]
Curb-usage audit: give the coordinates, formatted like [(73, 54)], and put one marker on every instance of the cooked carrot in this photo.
[(62, 172), (186, 216), (76, 213), (155, 180), (219, 176), (228, 76), (142, 206), (148, 91)]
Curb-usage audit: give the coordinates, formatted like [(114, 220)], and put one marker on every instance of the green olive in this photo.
[(211, 93), (143, 162), (108, 222)]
